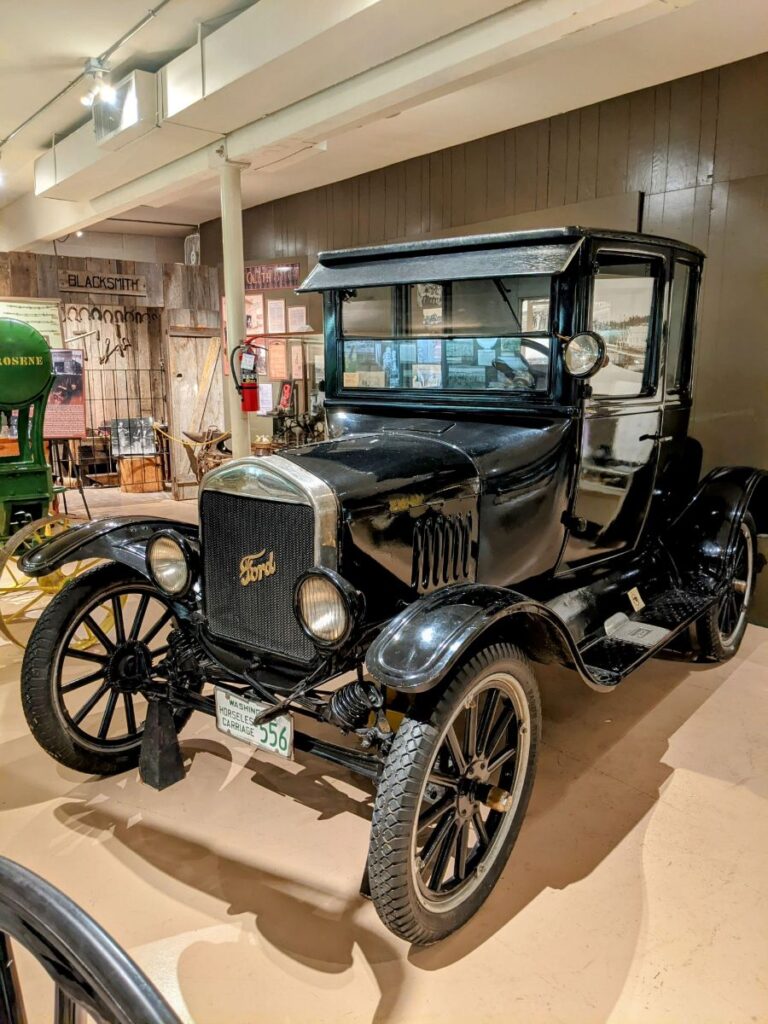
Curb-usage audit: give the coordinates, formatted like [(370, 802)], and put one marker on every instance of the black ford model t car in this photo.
[(509, 480)]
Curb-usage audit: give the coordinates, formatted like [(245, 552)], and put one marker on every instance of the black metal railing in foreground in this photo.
[(87, 966)]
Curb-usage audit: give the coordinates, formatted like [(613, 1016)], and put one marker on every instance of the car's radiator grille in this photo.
[(258, 611), (442, 551)]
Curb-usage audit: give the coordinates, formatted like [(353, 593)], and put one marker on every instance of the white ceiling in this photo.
[(44, 45), (588, 68), (440, 82)]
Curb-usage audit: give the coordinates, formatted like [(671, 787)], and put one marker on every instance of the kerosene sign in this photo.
[(89, 281)]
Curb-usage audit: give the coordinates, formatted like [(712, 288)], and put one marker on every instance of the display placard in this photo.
[(297, 363), (297, 319), (254, 314), (278, 360), (65, 412), (276, 316), (42, 314), (261, 277)]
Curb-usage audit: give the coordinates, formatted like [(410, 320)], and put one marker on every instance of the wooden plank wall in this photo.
[(123, 360), (696, 147), (190, 290), (134, 382)]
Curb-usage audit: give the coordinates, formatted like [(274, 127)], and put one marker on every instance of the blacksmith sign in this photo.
[(91, 281)]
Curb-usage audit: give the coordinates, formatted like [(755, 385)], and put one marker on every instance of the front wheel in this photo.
[(452, 797), (87, 664)]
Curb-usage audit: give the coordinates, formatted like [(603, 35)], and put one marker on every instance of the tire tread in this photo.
[(398, 794)]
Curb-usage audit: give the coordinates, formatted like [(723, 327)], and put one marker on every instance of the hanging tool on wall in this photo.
[(80, 336), (120, 347)]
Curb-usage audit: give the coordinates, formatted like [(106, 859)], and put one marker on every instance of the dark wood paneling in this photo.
[(642, 107), (558, 160), (542, 165), (741, 148), (526, 167), (495, 177), (589, 138), (684, 132), (661, 147), (613, 149)]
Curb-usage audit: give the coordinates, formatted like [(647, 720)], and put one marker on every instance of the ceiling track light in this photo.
[(95, 68), (92, 65)]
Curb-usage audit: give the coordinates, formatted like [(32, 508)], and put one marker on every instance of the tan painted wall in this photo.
[(696, 147)]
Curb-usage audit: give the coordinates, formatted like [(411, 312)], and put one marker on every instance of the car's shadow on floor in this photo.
[(600, 771), (315, 927)]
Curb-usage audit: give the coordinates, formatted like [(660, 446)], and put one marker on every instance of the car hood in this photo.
[(397, 469)]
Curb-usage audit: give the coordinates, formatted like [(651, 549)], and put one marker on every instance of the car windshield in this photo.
[(489, 334)]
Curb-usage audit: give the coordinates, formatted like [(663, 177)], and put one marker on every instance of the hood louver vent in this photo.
[(442, 552)]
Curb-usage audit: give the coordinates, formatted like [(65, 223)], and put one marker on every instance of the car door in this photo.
[(621, 420)]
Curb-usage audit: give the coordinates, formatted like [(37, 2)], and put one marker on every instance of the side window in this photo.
[(622, 312), (679, 327)]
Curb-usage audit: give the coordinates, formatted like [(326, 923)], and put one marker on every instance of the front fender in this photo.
[(418, 648), (119, 539), (702, 539)]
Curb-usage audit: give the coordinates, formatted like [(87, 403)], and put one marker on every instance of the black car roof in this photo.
[(379, 264), (500, 239)]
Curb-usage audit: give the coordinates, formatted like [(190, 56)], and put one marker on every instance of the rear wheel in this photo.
[(721, 629), (86, 666), (453, 795)]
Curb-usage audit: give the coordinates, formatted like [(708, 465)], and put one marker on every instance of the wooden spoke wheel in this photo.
[(721, 629), (452, 797), (90, 662), (22, 597), (734, 604)]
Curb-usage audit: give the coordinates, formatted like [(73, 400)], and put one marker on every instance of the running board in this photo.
[(633, 639)]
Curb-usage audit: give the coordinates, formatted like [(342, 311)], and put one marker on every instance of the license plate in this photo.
[(235, 715)]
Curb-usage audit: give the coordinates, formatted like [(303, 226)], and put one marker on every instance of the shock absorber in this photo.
[(351, 705), (187, 659)]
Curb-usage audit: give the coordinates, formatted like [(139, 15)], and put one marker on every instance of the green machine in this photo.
[(26, 378)]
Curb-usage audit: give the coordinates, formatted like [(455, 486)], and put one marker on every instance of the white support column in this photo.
[(234, 290)]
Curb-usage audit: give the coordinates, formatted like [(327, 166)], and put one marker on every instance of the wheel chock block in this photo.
[(160, 761)]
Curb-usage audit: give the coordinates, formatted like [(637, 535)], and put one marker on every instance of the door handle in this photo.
[(661, 438)]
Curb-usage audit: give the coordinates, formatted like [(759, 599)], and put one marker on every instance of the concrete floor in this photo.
[(111, 501), (638, 890)]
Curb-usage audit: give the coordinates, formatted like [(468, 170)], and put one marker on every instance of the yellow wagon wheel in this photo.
[(22, 597)]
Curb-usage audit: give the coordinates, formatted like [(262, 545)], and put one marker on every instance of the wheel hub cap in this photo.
[(129, 667)]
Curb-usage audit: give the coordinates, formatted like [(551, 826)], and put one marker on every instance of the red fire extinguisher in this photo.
[(247, 383)]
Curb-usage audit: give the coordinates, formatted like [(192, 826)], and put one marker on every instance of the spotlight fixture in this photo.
[(107, 92), (96, 69), (79, 234)]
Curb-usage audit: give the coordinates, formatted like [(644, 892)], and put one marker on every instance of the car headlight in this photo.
[(168, 561), (327, 607)]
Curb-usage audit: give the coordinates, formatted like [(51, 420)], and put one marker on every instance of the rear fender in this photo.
[(120, 539), (702, 540), (418, 649)]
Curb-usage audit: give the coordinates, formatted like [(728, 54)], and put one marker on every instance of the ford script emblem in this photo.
[(254, 568)]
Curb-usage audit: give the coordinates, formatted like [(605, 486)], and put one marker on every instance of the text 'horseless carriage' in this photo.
[(509, 480)]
